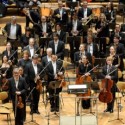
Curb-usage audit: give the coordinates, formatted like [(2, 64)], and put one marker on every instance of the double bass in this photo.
[(105, 95)]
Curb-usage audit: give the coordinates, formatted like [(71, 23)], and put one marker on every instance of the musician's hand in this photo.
[(59, 16), (98, 30), (117, 66), (80, 61), (18, 92), (108, 77), (87, 74), (34, 0), (56, 76), (3, 75), (38, 77), (60, 73)]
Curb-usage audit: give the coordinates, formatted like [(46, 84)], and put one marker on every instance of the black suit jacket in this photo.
[(60, 48), (27, 48), (70, 26), (95, 50), (77, 57), (30, 74), (18, 30), (22, 86), (81, 12), (44, 61), (64, 16), (62, 36)]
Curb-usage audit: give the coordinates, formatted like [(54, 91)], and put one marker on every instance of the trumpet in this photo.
[(87, 20)]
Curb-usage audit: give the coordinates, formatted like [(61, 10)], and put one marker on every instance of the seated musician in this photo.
[(60, 14), (57, 46), (32, 48), (17, 93), (82, 52), (11, 54), (75, 26), (92, 47), (24, 40), (84, 12), (110, 68), (83, 69), (60, 32), (54, 71)]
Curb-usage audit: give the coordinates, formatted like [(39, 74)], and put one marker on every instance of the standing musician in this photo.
[(17, 93), (54, 71), (47, 58), (60, 14), (32, 76), (34, 2), (11, 54), (83, 69), (79, 54), (108, 68), (32, 47), (25, 60), (84, 12), (57, 46)]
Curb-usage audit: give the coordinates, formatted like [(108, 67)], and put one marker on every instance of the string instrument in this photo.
[(5, 86), (105, 95), (20, 104), (82, 79)]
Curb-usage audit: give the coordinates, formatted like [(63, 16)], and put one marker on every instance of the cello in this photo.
[(105, 95)]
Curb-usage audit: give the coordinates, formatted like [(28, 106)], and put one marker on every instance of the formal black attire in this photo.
[(54, 101), (60, 48), (78, 56), (12, 56), (30, 76), (45, 61), (22, 86), (21, 3), (81, 13), (62, 35), (82, 69), (64, 16), (114, 77)]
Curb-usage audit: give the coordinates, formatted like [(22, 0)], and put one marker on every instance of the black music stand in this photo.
[(43, 42), (54, 85)]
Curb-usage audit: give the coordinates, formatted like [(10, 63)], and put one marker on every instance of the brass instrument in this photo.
[(87, 20)]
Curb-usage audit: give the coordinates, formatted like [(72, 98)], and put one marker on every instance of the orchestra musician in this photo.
[(24, 40), (60, 14), (32, 47), (83, 69), (54, 70), (47, 58), (11, 54), (17, 93), (79, 54), (57, 46), (31, 73), (34, 2), (108, 68), (84, 12)]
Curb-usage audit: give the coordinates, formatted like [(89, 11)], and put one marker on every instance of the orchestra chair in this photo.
[(5, 109)]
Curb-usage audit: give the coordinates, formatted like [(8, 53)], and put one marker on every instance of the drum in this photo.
[(45, 11)]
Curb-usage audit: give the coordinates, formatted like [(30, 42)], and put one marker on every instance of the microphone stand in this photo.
[(30, 94)]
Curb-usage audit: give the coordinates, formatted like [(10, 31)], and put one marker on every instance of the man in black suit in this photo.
[(57, 46), (17, 90), (60, 32), (113, 76), (47, 58), (32, 71), (54, 70), (10, 54), (13, 31), (32, 48), (60, 14), (84, 12), (32, 16), (92, 47), (82, 52)]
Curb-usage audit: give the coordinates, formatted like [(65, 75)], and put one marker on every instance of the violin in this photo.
[(5, 86)]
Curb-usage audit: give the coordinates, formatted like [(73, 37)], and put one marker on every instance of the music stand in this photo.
[(54, 85), (71, 4), (43, 42), (100, 61)]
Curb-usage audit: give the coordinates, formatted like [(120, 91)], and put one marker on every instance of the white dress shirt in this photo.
[(85, 12), (58, 32), (56, 45), (44, 27), (54, 67), (61, 12), (16, 82), (90, 48), (74, 25), (48, 58), (12, 34), (35, 68), (31, 51)]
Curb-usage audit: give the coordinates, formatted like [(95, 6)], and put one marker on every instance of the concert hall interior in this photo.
[(62, 62)]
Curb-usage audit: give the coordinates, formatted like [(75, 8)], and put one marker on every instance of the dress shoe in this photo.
[(52, 109), (111, 111), (107, 110), (37, 112), (57, 110)]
